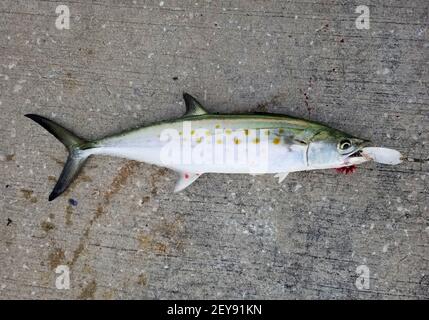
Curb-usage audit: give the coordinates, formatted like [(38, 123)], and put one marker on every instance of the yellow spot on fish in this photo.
[(267, 132), (281, 131), (237, 141), (256, 140), (276, 140), (180, 133), (199, 139), (217, 126), (246, 132), (219, 141), (208, 133), (192, 132), (227, 131)]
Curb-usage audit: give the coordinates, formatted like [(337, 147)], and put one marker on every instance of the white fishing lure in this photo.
[(382, 155)]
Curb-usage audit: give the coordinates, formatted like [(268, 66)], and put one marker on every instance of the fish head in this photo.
[(335, 149)]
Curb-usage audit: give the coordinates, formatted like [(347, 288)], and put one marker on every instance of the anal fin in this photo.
[(281, 176), (185, 180)]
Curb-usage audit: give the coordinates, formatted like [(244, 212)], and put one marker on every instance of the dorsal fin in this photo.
[(193, 107)]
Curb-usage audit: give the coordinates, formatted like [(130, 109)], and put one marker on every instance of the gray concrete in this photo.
[(125, 63)]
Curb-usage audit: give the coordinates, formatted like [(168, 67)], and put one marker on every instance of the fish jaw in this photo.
[(358, 156), (355, 158)]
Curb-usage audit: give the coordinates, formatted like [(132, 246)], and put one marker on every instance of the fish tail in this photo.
[(79, 151)]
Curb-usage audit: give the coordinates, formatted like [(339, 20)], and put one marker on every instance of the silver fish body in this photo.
[(201, 142)]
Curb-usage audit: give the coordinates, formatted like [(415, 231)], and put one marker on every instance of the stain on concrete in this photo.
[(108, 295), (77, 252), (148, 243), (144, 200), (163, 238), (142, 280), (276, 100), (155, 178), (87, 269), (47, 226), (55, 258), (82, 177), (69, 214), (69, 82), (170, 229), (86, 51), (117, 183), (89, 291), (120, 179), (57, 161), (99, 211), (28, 195)]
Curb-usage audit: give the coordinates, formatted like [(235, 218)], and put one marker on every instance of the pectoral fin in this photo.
[(293, 139), (185, 179), (281, 176)]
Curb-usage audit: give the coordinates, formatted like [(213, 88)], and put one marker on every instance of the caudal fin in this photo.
[(76, 146)]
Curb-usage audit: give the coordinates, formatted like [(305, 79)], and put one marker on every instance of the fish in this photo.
[(201, 142)]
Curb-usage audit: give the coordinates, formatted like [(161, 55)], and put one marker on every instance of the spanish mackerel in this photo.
[(201, 142)]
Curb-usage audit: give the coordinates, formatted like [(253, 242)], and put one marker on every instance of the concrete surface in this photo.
[(126, 63)]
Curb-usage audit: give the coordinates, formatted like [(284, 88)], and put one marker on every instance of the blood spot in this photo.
[(186, 176), (346, 170)]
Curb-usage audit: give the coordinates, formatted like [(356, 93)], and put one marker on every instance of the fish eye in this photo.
[(345, 144)]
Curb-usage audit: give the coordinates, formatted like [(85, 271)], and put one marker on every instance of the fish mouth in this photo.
[(357, 156)]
